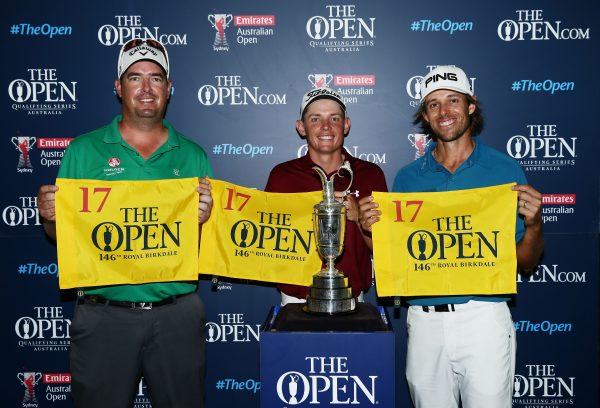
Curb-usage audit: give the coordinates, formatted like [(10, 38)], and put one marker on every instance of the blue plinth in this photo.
[(327, 368)]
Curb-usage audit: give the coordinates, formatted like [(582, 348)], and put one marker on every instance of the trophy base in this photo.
[(330, 295)]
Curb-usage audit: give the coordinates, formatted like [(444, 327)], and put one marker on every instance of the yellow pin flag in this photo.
[(255, 235), (126, 232), (446, 243)]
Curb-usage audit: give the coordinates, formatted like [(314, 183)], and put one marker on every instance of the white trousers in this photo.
[(467, 354)]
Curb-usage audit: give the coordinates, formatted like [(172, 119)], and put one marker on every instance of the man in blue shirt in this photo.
[(462, 348)]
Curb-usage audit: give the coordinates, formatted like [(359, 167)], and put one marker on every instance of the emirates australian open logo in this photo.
[(249, 29), (351, 87), (220, 22), (24, 144), (29, 380)]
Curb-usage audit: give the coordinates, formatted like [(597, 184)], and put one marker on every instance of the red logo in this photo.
[(54, 142), (558, 199), (253, 21), (354, 80), (114, 162), (57, 378)]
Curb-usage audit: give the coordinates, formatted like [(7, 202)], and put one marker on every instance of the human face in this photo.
[(448, 114), (144, 91), (324, 126)]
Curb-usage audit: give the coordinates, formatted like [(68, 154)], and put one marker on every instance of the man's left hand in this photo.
[(530, 204)]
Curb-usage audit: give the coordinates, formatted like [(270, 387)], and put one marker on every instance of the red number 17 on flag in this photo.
[(85, 202), (400, 205)]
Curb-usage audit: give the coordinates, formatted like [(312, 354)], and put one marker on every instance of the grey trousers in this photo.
[(113, 347)]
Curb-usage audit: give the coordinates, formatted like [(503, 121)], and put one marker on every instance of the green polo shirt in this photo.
[(103, 155)]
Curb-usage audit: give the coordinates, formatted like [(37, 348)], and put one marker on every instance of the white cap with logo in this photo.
[(139, 49), (320, 93), (445, 77)]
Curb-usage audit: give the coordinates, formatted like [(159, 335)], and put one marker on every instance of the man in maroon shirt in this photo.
[(324, 125)]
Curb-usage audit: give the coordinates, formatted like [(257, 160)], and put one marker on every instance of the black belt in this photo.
[(439, 308), (100, 300)]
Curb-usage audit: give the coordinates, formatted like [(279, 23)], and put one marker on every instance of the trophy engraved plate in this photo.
[(329, 292)]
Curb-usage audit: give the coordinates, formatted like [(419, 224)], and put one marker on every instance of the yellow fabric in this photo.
[(467, 242), (120, 232), (252, 234)]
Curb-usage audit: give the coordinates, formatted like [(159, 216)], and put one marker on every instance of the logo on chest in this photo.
[(114, 167)]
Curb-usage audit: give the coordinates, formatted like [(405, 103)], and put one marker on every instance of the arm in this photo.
[(530, 248), (47, 208)]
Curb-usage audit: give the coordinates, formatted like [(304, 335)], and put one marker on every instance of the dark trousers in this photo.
[(113, 347)]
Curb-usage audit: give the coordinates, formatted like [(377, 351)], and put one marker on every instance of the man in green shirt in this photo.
[(156, 330)]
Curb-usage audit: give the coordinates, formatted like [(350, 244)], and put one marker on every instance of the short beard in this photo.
[(453, 137)]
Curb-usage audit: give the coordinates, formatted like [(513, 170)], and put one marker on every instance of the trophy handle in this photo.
[(346, 166)]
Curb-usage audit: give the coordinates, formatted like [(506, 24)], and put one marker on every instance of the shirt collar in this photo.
[(478, 157), (308, 163), (113, 135)]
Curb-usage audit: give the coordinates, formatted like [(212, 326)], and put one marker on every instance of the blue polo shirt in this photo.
[(485, 167)]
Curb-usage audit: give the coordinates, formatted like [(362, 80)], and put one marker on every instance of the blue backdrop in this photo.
[(532, 64)]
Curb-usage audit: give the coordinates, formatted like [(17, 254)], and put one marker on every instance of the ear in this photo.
[(347, 125), (424, 117), (169, 89), (472, 106), (118, 88), (300, 128)]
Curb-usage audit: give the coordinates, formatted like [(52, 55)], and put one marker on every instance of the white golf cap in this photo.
[(320, 93), (445, 77), (139, 49)]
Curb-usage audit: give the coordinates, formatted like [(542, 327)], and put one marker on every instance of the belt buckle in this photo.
[(441, 308), (444, 308), (142, 305)]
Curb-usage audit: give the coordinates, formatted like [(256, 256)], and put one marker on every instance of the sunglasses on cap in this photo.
[(135, 42)]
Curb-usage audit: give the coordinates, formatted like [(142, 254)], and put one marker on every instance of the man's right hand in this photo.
[(369, 214), (46, 203)]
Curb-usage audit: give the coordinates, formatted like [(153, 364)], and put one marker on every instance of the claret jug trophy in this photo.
[(329, 293)]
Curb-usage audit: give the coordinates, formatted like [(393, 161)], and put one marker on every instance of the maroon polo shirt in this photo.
[(298, 176)]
